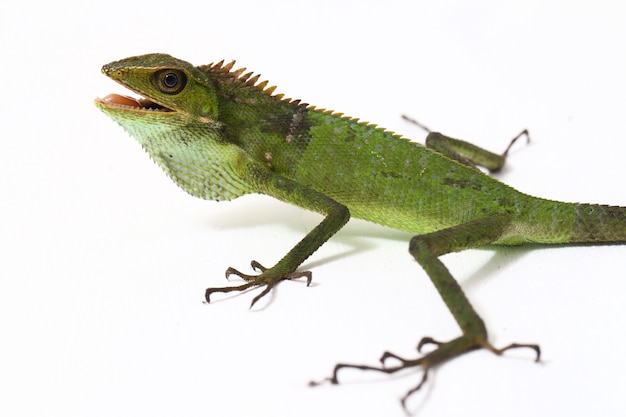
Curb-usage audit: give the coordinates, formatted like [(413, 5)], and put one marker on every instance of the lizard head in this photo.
[(170, 89), (175, 121)]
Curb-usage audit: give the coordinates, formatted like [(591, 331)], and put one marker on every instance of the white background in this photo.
[(104, 261)]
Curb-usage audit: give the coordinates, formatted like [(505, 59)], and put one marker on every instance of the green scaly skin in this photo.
[(220, 133)]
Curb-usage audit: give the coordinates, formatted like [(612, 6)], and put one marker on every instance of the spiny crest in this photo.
[(248, 79), (355, 120)]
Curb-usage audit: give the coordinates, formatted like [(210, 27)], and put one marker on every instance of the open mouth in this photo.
[(132, 103)]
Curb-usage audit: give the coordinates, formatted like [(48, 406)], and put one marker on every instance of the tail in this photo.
[(598, 223), (546, 221)]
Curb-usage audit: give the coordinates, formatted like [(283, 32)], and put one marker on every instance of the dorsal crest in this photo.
[(240, 78)]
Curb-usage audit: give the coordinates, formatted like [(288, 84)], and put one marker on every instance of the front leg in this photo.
[(284, 189), (426, 250)]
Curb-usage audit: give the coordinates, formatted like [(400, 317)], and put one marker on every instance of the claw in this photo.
[(522, 133), (387, 355), (265, 278), (232, 271), (500, 351), (257, 266), (427, 341), (246, 277), (444, 352), (209, 291), (405, 363), (414, 390)]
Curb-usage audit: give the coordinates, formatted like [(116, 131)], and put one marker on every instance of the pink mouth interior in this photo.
[(126, 101)]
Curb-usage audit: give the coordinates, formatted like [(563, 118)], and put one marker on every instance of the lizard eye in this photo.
[(170, 81)]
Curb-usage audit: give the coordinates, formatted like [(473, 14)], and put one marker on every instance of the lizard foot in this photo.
[(444, 352), (267, 277)]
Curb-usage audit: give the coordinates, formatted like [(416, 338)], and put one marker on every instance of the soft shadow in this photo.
[(503, 257)]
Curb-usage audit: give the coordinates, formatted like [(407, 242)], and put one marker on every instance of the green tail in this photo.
[(555, 222), (599, 223)]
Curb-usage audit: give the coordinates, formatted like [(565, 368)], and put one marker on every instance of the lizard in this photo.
[(220, 133)]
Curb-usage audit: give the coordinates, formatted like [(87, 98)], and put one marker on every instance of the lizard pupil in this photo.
[(170, 81)]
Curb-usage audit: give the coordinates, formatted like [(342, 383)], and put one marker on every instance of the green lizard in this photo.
[(220, 133)]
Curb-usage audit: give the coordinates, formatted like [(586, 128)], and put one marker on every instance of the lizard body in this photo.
[(220, 133)]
